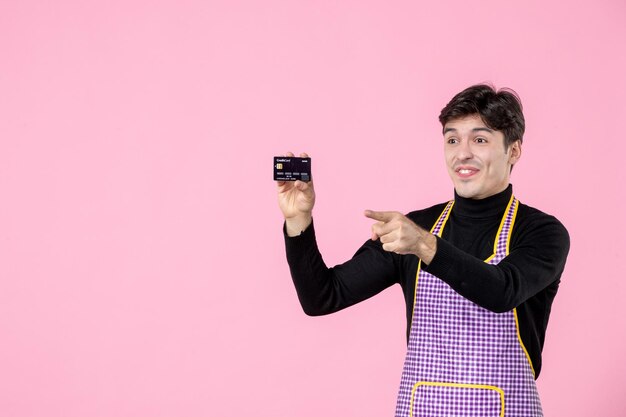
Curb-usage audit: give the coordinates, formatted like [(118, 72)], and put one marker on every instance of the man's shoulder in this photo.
[(428, 216), (534, 215), (533, 221)]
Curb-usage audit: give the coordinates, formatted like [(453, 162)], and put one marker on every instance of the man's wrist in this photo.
[(294, 226), (426, 246)]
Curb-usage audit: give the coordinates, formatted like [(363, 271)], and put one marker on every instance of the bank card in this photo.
[(291, 168)]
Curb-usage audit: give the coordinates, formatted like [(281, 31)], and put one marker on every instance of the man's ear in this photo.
[(515, 151)]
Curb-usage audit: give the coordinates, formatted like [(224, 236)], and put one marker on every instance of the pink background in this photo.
[(142, 268)]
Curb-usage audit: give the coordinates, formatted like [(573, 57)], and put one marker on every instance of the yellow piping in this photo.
[(508, 238), (495, 249), (455, 385), (519, 337), (419, 264), (495, 242)]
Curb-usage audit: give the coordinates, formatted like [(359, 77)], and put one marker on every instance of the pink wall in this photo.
[(142, 269)]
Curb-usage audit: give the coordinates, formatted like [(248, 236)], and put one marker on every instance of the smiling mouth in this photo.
[(466, 172)]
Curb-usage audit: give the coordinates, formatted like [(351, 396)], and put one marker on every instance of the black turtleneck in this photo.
[(527, 279)]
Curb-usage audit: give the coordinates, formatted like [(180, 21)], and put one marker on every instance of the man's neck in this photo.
[(485, 207)]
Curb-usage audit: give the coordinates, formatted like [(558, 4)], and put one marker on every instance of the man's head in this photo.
[(483, 131), (500, 110)]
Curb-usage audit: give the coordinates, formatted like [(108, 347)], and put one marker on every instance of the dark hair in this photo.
[(500, 110)]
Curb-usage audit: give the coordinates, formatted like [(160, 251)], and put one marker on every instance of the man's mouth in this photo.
[(466, 172)]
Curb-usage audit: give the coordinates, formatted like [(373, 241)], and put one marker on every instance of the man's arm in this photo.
[(323, 290), (535, 262)]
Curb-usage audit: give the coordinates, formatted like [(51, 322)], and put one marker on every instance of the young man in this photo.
[(479, 273)]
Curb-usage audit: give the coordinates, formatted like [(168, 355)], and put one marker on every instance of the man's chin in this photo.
[(465, 192)]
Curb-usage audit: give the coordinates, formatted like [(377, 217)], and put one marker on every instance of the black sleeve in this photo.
[(322, 290), (536, 261)]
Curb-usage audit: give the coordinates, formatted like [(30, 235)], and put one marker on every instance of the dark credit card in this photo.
[(291, 168)]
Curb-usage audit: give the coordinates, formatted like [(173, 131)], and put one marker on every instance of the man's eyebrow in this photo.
[(476, 129)]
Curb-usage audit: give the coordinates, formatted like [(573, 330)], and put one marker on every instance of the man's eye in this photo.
[(481, 140), (452, 140)]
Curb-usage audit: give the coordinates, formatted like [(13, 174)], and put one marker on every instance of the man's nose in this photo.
[(464, 150)]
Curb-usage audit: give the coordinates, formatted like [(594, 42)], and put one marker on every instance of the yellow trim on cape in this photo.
[(519, 337), (508, 243), (495, 249), (456, 385), (419, 263)]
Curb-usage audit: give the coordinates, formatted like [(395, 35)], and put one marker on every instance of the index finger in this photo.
[(382, 216)]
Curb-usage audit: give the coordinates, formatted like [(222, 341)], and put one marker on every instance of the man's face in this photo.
[(476, 157)]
